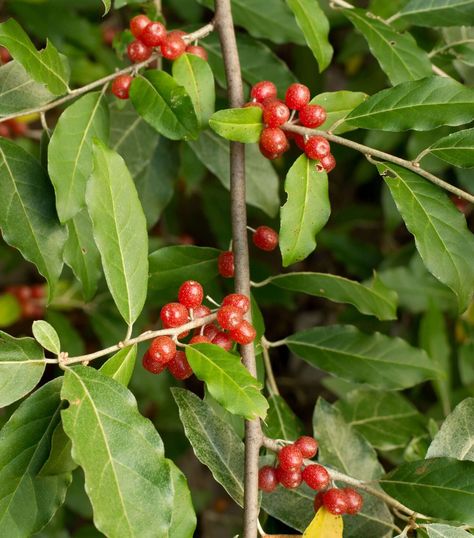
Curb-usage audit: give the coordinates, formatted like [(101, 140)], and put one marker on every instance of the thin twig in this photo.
[(268, 367)]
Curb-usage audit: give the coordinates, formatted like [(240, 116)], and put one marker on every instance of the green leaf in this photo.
[(27, 214), (421, 105), (338, 105), (438, 487), (281, 422), (10, 310), (238, 124), (195, 75), (70, 151), (164, 104), (120, 366), (456, 149), (437, 530), (25, 443), (262, 181), (46, 336), (45, 66), (376, 300), (455, 438), (379, 361), (18, 91), (68, 335), (102, 414), (441, 235), (183, 517), (59, 459), (119, 231), (386, 419), (438, 12), (398, 54), (315, 27), (305, 211), (214, 442), (81, 253), (107, 6), (171, 266), (227, 380)]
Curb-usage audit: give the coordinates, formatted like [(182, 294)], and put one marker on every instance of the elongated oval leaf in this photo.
[(376, 300), (398, 54), (195, 75), (438, 530), (25, 443), (456, 149), (377, 360), (305, 212), (438, 487), (281, 422), (421, 105), (120, 366), (337, 106), (101, 417), (183, 517), (438, 12), (46, 336), (70, 151), (441, 235), (164, 104), (119, 230), (227, 380), (238, 124), (28, 217)]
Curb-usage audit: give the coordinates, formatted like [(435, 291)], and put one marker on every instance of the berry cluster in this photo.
[(148, 36), (291, 472), (273, 140), (30, 298), (13, 128)]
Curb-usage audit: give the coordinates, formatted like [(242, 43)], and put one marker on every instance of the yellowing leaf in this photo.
[(324, 525)]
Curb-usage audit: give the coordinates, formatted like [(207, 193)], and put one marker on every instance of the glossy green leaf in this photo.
[(305, 211), (438, 530), (379, 361), (81, 253), (46, 66), (438, 12), (119, 230), (101, 415), (171, 266), (441, 235), (421, 105), (438, 487), (338, 105), (195, 75), (46, 336), (315, 27), (455, 439), (120, 366), (164, 104), (397, 53), (376, 299), (227, 380), (238, 124), (71, 148), (214, 442), (25, 443), (262, 189), (28, 217), (281, 421), (456, 149)]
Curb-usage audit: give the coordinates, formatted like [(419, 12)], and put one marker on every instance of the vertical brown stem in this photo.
[(253, 434)]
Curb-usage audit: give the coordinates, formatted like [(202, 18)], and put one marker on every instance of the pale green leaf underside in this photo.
[(456, 149), (120, 366), (46, 336), (438, 12)]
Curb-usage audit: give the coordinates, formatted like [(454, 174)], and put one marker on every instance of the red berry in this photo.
[(138, 24), (197, 51), (174, 315), (4, 130), (317, 147), (201, 311), (316, 476), (5, 56), (288, 479), (229, 317), (308, 446), (108, 34), (334, 500), (173, 46), (265, 238), (354, 501), (318, 501), (225, 263), (275, 114), (254, 103), (38, 291), (299, 140), (238, 300), (263, 90), (17, 128), (222, 340), (199, 339), (152, 365), (138, 51), (328, 163), (273, 142), (162, 349), (290, 458), (211, 331), (121, 86), (179, 366), (190, 294), (312, 116), (153, 35), (244, 334), (23, 293), (297, 96), (267, 479)]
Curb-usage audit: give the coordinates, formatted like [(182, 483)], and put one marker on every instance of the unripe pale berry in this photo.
[(138, 24), (275, 114), (273, 141), (238, 300), (197, 51), (297, 96), (222, 340), (316, 476), (312, 116), (179, 366), (354, 501), (308, 446), (317, 147), (138, 51), (265, 238), (290, 458), (334, 500), (121, 86), (225, 264), (288, 478), (267, 479), (174, 315), (229, 317), (153, 35), (190, 294), (162, 349), (151, 364), (328, 163), (173, 46), (263, 90), (244, 334)]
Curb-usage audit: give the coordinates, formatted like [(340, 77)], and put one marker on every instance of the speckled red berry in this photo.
[(138, 24), (225, 264), (229, 317), (197, 51), (297, 96), (318, 501), (190, 294), (267, 479), (308, 446), (138, 51), (316, 476), (354, 501), (201, 311), (275, 114), (223, 340), (238, 300), (263, 90), (199, 339), (173, 46), (290, 457), (312, 116), (151, 364), (5, 55), (179, 366), (153, 35), (317, 147), (328, 163), (162, 349), (121, 86), (265, 238), (288, 479), (244, 334), (210, 331), (174, 315), (273, 142), (334, 500)]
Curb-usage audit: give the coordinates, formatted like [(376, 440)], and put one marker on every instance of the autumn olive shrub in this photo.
[(97, 125)]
